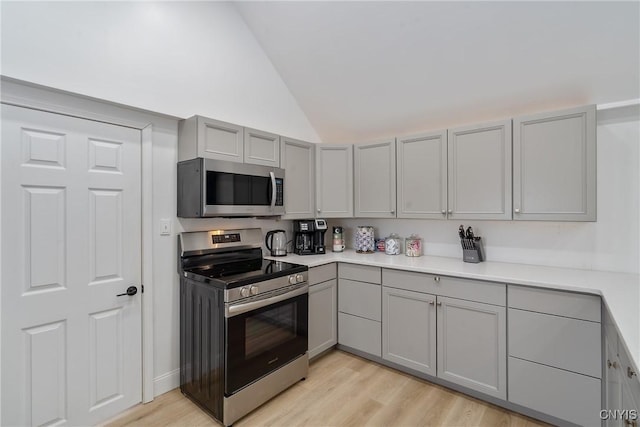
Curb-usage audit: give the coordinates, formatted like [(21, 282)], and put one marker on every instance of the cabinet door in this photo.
[(297, 158), (261, 148), (422, 176), (554, 166), (612, 383), (220, 140), (375, 179), (334, 181), (472, 345), (323, 317), (409, 329), (479, 171)]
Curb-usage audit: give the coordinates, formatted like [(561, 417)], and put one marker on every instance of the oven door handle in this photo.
[(235, 309), (273, 190)]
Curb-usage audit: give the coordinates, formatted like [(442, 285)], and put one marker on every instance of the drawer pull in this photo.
[(431, 303), (630, 372), (437, 279)]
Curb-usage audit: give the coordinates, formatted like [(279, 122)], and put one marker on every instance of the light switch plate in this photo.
[(165, 227)]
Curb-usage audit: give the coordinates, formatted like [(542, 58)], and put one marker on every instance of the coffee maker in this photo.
[(309, 236)]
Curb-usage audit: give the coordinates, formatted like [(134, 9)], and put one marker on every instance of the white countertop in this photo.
[(620, 291)]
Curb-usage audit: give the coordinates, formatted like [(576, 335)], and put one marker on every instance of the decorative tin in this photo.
[(365, 239), (413, 245), (380, 245)]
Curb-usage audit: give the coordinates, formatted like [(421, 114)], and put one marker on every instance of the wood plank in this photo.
[(341, 390)]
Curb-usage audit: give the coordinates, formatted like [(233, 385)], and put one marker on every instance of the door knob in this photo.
[(131, 291)]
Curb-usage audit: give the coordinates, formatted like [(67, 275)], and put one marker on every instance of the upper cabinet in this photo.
[(261, 148), (375, 179), (334, 181), (422, 175), (479, 171), (554, 166), (297, 158), (212, 139), (203, 137)]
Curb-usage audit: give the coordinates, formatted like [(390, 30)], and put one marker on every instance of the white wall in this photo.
[(177, 58), (174, 58), (610, 244)]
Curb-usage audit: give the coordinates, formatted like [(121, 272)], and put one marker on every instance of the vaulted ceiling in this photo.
[(367, 70)]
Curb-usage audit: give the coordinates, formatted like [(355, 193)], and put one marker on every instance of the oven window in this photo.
[(270, 329), (237, 190)]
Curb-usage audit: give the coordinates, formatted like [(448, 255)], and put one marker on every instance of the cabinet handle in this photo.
[(431, 303), (438, 303), (450, 211), (437, 279), (444, 212), (608, 363), (319, 210), (614, 365), (630, 372), (393, 212), (516, 210)]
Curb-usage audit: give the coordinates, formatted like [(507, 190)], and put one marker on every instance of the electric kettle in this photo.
[(276, 242)]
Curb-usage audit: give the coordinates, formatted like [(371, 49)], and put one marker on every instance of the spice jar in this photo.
[(392, 244), (413, 245)]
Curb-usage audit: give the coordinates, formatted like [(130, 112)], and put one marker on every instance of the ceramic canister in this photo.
[(365, 240)]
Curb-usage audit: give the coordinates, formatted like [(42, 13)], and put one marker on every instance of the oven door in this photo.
[(263, 335)]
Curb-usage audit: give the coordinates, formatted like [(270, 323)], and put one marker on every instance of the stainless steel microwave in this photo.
[(208, 188)]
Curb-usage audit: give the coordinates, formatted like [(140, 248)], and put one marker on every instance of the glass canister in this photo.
[(413, 245), (392, 244), (365, 239)]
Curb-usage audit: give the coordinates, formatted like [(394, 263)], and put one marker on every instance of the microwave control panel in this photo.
[(279, 192)]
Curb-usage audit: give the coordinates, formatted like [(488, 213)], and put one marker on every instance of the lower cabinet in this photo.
[(323, 307), (409, 329), (472, 345), (359, 333), (466, 338)]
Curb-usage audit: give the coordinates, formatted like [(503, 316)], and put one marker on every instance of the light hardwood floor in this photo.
[(341, 390)]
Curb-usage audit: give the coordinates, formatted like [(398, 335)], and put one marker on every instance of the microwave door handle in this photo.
[(273, 190)]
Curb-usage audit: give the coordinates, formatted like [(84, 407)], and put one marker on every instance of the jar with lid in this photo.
[(393, 244), (413, 245), (365, 239)]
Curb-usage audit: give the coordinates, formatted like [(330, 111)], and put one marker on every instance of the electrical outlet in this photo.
[(165, 227)]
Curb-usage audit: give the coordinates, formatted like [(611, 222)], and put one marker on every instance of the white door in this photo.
[(71, 348)]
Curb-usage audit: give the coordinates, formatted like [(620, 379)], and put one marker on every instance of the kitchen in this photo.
[(133, 67)]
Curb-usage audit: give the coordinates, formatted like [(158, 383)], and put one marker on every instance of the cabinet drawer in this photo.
[(568, 304), (322, 273), (360, 334), (574, 345), (360, 299), (362, 273), (471, 290), (566, 395)]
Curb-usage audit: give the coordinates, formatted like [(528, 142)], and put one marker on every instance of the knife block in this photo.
[(472, 250)]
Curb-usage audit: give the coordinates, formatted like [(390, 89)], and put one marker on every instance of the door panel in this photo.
[(71, 349)]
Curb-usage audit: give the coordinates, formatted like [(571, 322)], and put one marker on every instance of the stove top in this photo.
[(232, 275), (230, 258)]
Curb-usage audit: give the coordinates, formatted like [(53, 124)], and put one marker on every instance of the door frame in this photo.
[(30, 95)]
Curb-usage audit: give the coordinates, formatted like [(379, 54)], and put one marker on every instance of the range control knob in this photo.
[(292, 280), (254, 290), (244, 292), (299, 278)]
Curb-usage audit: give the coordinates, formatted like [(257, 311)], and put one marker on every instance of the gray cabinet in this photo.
[(479, 171), (422, 175), (375, 179), (360, 308), (472, 345), (554, 166), (555, 344), (334, 181), (323, 312), (409, 329), (297, 158), (425, 315), (203, 137), (261, 148)]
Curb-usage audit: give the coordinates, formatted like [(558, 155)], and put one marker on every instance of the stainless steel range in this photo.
[(243, 322)]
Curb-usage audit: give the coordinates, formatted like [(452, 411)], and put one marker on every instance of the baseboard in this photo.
[(166, 382)]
